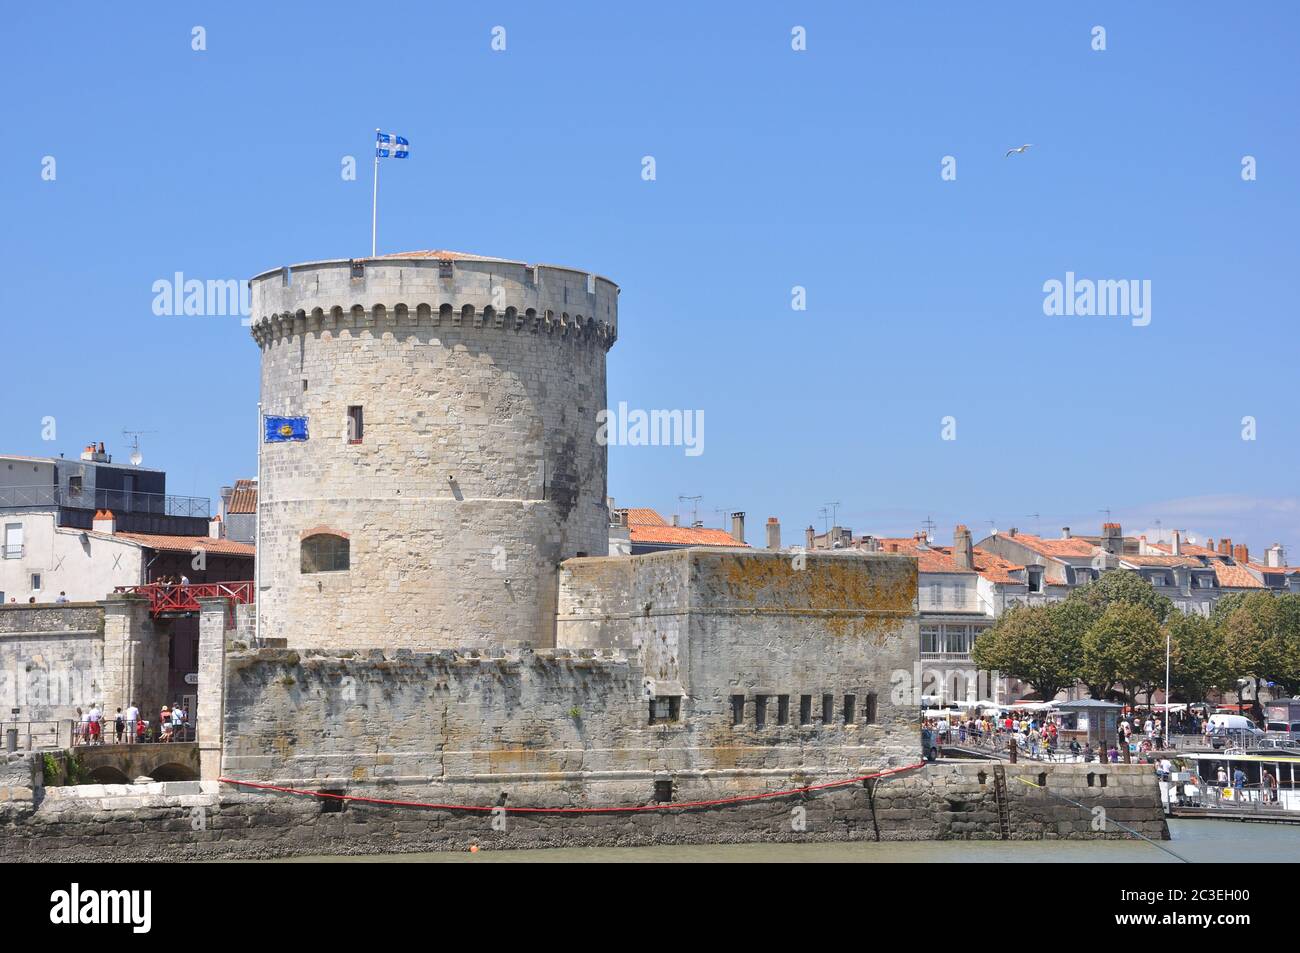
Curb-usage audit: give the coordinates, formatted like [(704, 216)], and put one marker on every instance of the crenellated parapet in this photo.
[(406, 293)]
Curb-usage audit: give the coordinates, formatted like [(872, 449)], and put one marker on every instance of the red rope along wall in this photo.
[(671, 806)]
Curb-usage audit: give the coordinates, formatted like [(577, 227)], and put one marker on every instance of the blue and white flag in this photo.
[(280, 429), (389, 145)]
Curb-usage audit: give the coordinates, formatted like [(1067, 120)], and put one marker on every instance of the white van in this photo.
[(1232, 730)]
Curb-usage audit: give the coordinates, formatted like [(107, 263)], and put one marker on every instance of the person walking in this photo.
[(95, 718), (119, 726)]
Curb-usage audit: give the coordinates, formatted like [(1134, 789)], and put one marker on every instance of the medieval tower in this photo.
[(450, 460)]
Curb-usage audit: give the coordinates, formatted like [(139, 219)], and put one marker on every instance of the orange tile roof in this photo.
[(681, 535), (940, 559), (244, 497), (647, 526), (1188, 549), (1054, 547), (1157, 560), (1284, 570), (644, 516), (1234, 577), (185, 544)]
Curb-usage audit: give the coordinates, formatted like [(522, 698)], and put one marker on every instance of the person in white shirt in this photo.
[(95, 717), (132, 719)]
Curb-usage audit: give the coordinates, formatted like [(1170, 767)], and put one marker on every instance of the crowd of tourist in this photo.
[(127, 727)]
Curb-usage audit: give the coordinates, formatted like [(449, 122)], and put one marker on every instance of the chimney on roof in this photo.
[(104, 522), (963, 553), (214, 527), (226, 492), (1275, 556), (1112, 538), (1225, 547), (1176, 547), (738, 527), (1209, 543), (773, 533), (1241, 554), (621, 517), (1065, 532), (809, 537), (677, 520), (1012, 532)]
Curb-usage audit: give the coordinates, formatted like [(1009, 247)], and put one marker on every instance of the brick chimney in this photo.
[(809, 535), (1241, 554), (104, 522), (773, 533), (738, 527), (1112, 538), (1209, 543), (962, 551), (1225, 547)]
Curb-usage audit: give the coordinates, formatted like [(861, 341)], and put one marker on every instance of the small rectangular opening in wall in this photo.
[(873, 705), (665, 708), (805, 709), (737, 709), (760, 711), (850, 708), (332, 805), (783, 709), (663, 790), (828, 709), (1102, 778), (356, 424), (444, 267), (358, 270), (304, 385)]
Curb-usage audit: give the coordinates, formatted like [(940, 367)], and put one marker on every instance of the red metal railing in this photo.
[(167, 598)]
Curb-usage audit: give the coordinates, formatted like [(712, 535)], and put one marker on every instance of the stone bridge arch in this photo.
[(122, 764)]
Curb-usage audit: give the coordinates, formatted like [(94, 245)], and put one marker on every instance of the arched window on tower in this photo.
[(325, 552)]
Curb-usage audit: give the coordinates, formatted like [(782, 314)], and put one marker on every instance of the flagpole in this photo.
[(374, 201), (257, 548)]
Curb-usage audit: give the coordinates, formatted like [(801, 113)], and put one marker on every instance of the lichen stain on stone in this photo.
[(885, 591)]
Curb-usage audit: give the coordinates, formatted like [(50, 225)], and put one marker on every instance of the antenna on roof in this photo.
[(134, 436), (724, 511), (929, 525), (1107, 512), (835, 507), (695, 506)]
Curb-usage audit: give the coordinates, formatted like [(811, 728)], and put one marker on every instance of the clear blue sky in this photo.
[(775, 168)]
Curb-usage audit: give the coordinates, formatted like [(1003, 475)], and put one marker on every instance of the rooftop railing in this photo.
[(119, 501)]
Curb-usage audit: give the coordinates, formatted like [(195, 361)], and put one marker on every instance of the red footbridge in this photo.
[(176, 600)]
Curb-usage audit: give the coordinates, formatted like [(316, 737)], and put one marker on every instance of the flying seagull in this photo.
[(1019, 151)]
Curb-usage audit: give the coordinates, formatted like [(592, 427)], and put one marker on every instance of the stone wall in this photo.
[(57, 658), (717, 625), (478, 468), (210, 821), (51, 660)]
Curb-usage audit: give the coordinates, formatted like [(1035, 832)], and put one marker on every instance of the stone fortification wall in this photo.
[(939, 802), (477, 468)]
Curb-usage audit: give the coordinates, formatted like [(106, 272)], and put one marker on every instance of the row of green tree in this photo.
[(1110, 635)]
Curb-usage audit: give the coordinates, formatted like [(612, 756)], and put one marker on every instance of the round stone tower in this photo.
[(450, 460)]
